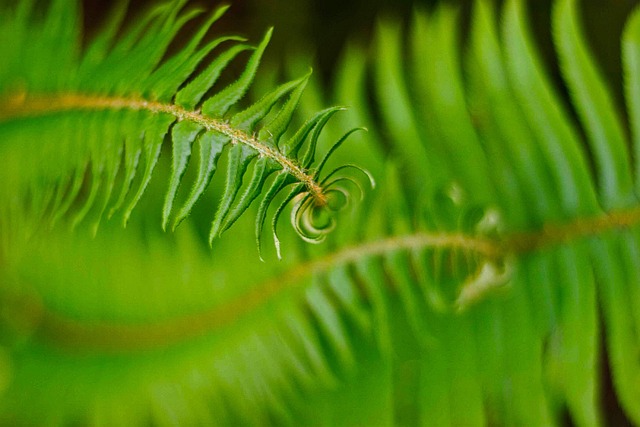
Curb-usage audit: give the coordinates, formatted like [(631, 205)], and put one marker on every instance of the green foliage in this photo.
[(475, 286), (118, 101)]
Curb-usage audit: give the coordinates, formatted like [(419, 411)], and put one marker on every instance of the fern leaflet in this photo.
[(108, 111)]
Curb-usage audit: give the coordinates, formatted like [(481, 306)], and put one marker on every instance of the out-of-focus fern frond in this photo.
[(492, 122)]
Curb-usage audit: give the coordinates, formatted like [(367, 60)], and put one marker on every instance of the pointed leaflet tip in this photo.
[(132, 131), (368, 174), (213, 17), (114, 159), (172, 73), (96, 180), (333, 148), (281, 180), (246, 120), (148, 51), (309, 155), (99, 46), (182, 136), (262, 169), (219, 104), (277, 127), (190, 95), (211, 146), (165, 82), (276, 242), (296, 190), (71, 194), (152, 147), (217, 14), (61, 190), (239, 158), (133, 151), (292, 146)]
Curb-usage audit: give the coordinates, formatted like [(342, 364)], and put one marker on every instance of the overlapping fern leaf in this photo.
[(83, 128), (557, 178), (475, 288)]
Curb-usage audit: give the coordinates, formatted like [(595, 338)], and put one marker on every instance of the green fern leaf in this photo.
[(131, 100), (595, 106), (569, 231), (474, 291)]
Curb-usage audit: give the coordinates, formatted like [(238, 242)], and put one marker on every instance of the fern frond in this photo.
[(108, 110), (493, 122), (474, 291), (282, 330)]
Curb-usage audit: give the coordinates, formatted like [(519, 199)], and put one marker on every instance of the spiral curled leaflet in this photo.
[(105, 114), (458, 277)]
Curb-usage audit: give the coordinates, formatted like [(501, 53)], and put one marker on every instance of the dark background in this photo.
[(321, 27)]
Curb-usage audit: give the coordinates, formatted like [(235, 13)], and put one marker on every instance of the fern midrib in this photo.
[(121, 338), (21, 106), (116, 338)]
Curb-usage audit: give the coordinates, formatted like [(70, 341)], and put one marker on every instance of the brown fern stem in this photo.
[(20, 106)]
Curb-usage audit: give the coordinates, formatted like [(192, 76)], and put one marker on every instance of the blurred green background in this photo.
[(322, 27)]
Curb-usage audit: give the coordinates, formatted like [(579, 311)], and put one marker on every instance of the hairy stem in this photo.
[(78, 336), (20, 106)]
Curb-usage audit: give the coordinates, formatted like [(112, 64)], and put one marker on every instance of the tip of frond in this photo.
[(276, 242), (94, 229), (196, 11), (267, 35), (222, 9), (212, 236), (260, 257), (176, 222), (372, 180), (125, 220)]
